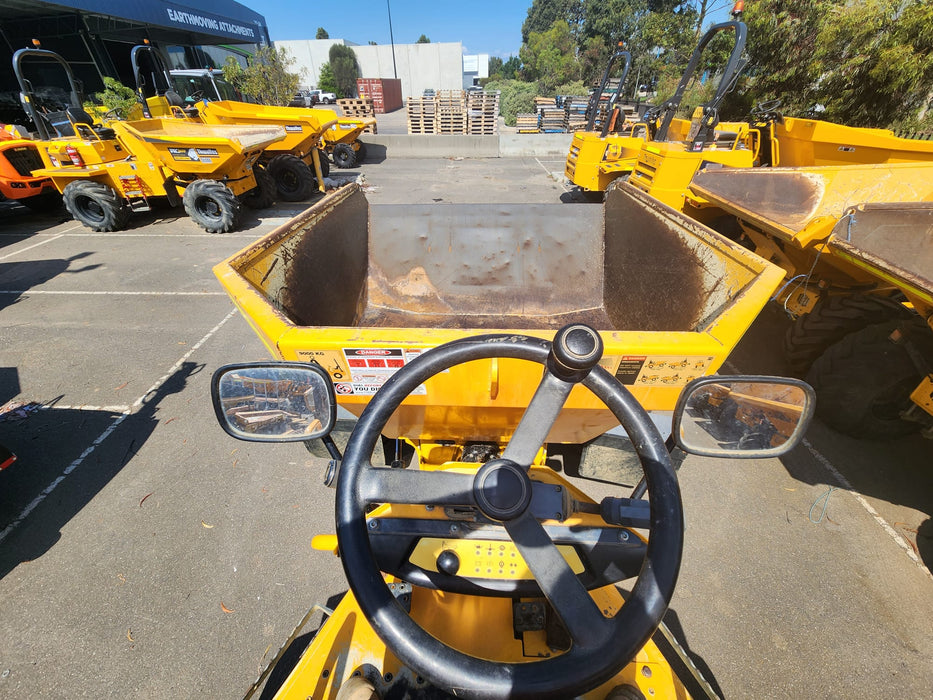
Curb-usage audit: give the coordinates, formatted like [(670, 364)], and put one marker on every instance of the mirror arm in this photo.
[(329, 443)]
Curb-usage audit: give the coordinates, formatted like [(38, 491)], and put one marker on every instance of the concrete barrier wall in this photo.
[(433, 145), (518, 145), (466, 146)]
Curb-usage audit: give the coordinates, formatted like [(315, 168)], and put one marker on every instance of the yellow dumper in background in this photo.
[(106, 173), (856, 244), (309, 132)]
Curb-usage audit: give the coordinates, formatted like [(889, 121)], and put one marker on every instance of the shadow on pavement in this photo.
[(38, 495), (896, 471), (20, 222), (19, 277)]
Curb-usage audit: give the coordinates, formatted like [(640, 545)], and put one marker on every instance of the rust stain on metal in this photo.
[(784, 198), (634, 265)]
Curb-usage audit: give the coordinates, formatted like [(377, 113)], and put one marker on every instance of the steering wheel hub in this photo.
[(502, 489)]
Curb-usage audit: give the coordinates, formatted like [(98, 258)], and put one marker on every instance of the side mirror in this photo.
[(274, 401), (742, 416)]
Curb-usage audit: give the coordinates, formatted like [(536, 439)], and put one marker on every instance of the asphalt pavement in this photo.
[(144, 553)]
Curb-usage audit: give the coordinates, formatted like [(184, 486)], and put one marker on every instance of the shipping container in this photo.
[(386, 93)]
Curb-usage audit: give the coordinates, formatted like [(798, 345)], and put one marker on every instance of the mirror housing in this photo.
[(742, 416), (274, 401)]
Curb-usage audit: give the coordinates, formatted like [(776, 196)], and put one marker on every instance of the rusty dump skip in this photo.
[(630, 265), (779, 198), (893, 240)]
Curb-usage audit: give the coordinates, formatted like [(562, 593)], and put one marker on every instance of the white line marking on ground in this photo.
[(116, 235), (562, 181), (34, 245), (86, 407), (891, 532), (27, 292), (113, 426), (846, 486)]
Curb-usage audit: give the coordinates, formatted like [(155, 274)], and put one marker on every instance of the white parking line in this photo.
[(561, 181), (116, 235), (124, 414), (34, 245), (862, 501), (86, 407), (28, 292), (844, 483)]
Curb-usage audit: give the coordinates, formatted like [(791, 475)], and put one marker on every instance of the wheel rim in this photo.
[(890, 402), (91, 208), (288, 182), (208, 207)]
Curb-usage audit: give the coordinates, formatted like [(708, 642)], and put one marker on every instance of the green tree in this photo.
[(423, 40), (875, 62), (346, 71), (116, 97), (321, 33), (549, 57), (543, 13), (515, 96), (864, 63), (511, 67), (776, 70), (267, 78), (593, 60), (326, 80)]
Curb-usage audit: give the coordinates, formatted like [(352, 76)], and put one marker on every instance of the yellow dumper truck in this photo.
[(856, 244), (489, 338), (107, 173)]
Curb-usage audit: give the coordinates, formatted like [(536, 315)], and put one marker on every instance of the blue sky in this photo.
[(482, 26)]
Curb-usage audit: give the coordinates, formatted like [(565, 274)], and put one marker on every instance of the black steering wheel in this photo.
[(501, 490)]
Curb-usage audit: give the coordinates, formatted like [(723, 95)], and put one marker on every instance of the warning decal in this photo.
[(661, 370), (370, 368)]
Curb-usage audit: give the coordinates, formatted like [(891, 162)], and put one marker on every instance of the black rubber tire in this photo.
[(212, 205), (833, 318), (263, 195), (49, 202), (293, 178), (360, 152), (864, 381), (96, 205), (344, 156)]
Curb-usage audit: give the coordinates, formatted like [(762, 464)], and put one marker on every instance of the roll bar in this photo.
[(733, 69)]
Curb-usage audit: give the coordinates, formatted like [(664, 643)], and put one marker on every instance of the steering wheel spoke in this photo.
[(537, 420), (386, 485), (571, 601)]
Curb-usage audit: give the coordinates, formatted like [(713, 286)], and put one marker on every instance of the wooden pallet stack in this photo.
[(359, 108), (422, 115), (482, 110), (451, 112), (575, 113), (527, 123)]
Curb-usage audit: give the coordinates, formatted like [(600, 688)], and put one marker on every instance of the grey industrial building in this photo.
[(440, 66), (95, 36)]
